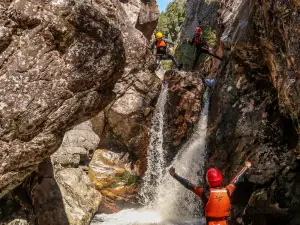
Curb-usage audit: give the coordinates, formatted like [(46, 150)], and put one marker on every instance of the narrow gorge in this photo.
[(90, 127)]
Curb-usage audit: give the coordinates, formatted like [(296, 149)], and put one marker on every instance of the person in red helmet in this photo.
[(201, 46), (215, 198)]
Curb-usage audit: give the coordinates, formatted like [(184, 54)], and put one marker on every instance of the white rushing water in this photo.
[(173, 200), (166, 201), (156, 156)]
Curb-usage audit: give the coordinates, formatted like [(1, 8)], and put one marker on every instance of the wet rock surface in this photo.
[(127, 120), (116, 178), (185, 91), (255, 109)]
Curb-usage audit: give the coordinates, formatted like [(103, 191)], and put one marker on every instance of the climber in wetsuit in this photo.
[(161, 49), (201, 46), (215, 198)]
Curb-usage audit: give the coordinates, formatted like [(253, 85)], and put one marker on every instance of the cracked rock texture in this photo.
[(255, 110), (127, 120), (59, 191), (59, 61), (143, 14), (63, 195), (185, 99)]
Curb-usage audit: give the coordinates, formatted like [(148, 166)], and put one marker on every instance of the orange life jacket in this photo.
[(217, 222), (218, 203), (161, 46)]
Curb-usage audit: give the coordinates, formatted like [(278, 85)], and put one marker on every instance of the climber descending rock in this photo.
[(201, 46), (215, 198), (162, 52)]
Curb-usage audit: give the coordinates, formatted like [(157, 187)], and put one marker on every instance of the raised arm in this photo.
[(181, 180), (238, 178)]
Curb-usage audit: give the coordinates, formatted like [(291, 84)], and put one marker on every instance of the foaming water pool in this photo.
[(141, 217), (166, 202)]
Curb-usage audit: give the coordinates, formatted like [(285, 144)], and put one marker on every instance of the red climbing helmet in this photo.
[(198, 30), (214, 177)]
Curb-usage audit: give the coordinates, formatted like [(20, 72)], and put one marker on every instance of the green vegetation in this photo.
[(169, 22), (125, 178), (185, 53)]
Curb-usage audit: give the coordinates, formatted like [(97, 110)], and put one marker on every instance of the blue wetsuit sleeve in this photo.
[(184, 182), (169, 42)]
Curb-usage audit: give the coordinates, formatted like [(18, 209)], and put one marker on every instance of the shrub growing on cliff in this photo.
[(125, 178)]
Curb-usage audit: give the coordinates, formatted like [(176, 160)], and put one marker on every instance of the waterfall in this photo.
[(155, 159), (166, 201), (173, 200)]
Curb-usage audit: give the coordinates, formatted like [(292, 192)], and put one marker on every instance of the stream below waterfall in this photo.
[(165, 201)]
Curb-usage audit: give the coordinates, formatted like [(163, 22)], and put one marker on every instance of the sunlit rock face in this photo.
[(59, 61), (64, 195), (143, 14), (59, 191), (50, 79), (116, 179), (128, 118), (255, 109)]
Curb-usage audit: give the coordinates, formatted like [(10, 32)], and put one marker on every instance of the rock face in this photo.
[(143, 14), (255, 109), (128, 118), (200, 13), (77, 147), (115, 178), (67, 197), (183, 108), (51, 79), (59, 191)]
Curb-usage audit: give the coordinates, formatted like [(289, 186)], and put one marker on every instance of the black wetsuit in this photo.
[(201, 46), (162, 53)]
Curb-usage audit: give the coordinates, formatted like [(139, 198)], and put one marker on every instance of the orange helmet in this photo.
[(198, 30), (214, 177)]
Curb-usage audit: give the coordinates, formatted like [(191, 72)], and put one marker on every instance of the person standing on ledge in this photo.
[(216, 198), (162, 53), (201, 46)]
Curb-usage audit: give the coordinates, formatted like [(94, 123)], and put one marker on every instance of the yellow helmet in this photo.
[(159, 35)]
